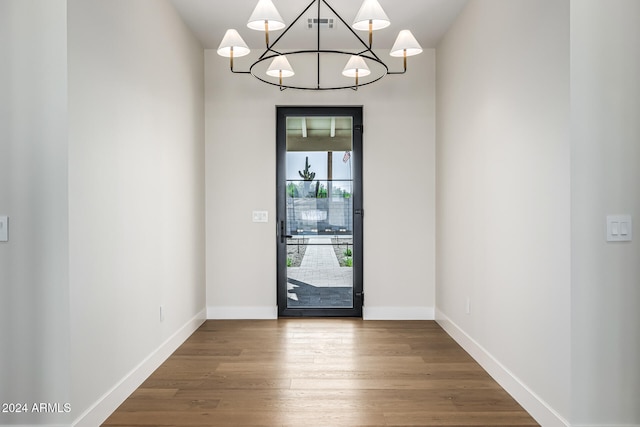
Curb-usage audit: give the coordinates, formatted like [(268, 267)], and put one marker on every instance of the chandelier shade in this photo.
[(265, 15), (363, 61), (280, 67), (371, 13), (232, 43), (356, 66), (405, 45)]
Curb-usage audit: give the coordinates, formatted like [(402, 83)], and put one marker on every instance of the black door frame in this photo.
[(282, 112)]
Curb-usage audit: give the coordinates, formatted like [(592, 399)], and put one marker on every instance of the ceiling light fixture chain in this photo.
[(370, 17)]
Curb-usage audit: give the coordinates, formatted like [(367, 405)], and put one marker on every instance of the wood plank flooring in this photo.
[(320, 373)]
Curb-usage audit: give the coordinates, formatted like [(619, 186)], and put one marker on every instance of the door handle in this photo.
[(283, 237)]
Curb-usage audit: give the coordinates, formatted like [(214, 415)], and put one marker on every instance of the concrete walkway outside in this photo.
[(320, 267)]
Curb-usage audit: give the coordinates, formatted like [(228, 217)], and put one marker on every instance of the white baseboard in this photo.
[(605, 425), (398, 313), (242, 313), (31, 425), (532, 403), (109, 402), (369, 313)]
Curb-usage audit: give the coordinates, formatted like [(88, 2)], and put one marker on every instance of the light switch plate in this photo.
[(619, 228), (260, 216), (4, 228)]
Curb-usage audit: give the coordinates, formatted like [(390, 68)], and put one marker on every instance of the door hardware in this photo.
[(283, 236)]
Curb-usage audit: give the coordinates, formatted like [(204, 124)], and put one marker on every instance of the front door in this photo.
[(319, 211)]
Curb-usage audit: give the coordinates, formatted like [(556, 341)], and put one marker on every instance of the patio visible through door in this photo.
[(319, 200)]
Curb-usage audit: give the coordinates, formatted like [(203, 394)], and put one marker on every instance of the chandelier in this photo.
[(370, 17)]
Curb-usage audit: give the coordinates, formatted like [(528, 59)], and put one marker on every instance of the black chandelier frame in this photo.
[(367, 53)]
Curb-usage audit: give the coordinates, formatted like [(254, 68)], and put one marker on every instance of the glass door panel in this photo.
[(317, 218)]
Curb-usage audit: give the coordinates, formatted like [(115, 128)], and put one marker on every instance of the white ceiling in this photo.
[(428, 20)]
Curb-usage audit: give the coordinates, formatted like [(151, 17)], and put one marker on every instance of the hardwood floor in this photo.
[(320, 372)]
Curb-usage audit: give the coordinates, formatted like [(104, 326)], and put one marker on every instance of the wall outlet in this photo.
[(467, 306), (162, 313), (4, 228)]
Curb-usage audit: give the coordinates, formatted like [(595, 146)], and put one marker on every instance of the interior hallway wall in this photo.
[(136, 194), (34, 292), (399, 173), (605, 158), (503, 196)]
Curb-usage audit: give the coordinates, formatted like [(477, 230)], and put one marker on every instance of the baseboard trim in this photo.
[(605, 425), (531, 402), (369, 313), (398, 313), (244, 313), (109, 402), (31, 425)]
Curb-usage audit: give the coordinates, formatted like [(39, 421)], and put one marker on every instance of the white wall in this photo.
[(34, 293), (136, 194), (605, 157), (398, 163), (503, 196)]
